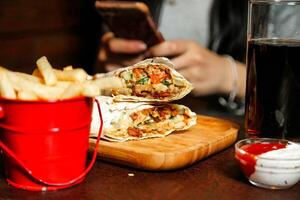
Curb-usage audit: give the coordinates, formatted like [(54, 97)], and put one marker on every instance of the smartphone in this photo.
[(130, 20)]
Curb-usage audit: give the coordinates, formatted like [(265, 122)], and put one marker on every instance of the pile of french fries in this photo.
[(47, 83)]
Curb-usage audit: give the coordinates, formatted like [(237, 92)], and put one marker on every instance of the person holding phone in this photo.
[(205, 65)]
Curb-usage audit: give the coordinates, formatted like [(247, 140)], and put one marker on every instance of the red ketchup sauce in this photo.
[(248, 160)]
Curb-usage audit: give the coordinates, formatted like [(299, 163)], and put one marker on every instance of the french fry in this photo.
[(2, 69), (28, 77), (27, 95), (106, 83), (74, 90), (51, 84), (90, 89), (41, 90), (76, 75), (63, 84), (68, 68), (6, 88), (36, 72), (67, 74), (47, 71)]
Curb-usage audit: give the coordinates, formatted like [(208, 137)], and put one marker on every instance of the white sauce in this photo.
[(278, 168)]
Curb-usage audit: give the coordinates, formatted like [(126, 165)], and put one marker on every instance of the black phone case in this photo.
[(129, 22)]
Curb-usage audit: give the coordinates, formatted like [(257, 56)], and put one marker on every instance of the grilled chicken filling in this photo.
[(166, 118), (153, 81)]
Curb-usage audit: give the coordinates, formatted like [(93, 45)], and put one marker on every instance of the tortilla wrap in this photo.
[(151, 80), (135, 121)]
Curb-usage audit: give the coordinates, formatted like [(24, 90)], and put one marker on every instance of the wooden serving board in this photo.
[(177, 150)]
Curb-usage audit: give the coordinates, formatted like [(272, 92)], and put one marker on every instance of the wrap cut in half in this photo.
[(134, 121), (151, 80)]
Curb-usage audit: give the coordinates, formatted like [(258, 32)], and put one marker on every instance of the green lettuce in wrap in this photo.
[(134, 121), (152, 80)]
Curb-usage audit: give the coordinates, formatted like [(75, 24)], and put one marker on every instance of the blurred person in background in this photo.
[(206, 40)]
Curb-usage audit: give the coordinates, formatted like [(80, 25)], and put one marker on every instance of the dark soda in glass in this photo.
[(273, 88)]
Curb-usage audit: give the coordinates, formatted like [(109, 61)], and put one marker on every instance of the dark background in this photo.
[(67, 32)]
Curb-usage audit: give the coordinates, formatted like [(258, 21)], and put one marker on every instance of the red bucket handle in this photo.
[(54, 186), (1, 112)]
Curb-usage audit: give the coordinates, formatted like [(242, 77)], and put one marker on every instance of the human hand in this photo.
[(209, 72), (118, 52)]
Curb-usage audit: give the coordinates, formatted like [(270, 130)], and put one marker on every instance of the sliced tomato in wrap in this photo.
[(134, 121), (152, 80)]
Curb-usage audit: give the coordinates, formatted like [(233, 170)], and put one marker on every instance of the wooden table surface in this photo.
[(217, 177)]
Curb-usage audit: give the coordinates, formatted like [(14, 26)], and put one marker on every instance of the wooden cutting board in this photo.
[(180, 149)]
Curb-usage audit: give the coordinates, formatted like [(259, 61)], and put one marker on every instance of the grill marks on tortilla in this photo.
[(157, 120), (153, 81)]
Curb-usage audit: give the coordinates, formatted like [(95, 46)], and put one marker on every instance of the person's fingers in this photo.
[(188, 59), (106, 37), (168, 48), (118, 45), (183, 61), (102, 55), (132, 60), (201, 85), (121, 61), (192, 74), (180, 62)]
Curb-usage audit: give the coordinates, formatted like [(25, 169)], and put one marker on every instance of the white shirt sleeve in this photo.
[(182, 19)]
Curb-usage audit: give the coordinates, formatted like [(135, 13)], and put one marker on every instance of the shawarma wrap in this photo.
[(134, 121), (151, 80)]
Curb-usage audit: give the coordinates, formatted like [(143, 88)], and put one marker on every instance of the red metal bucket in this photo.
[(45, 143)]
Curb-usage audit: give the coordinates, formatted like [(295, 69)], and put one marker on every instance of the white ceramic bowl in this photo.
[(275, 169)]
